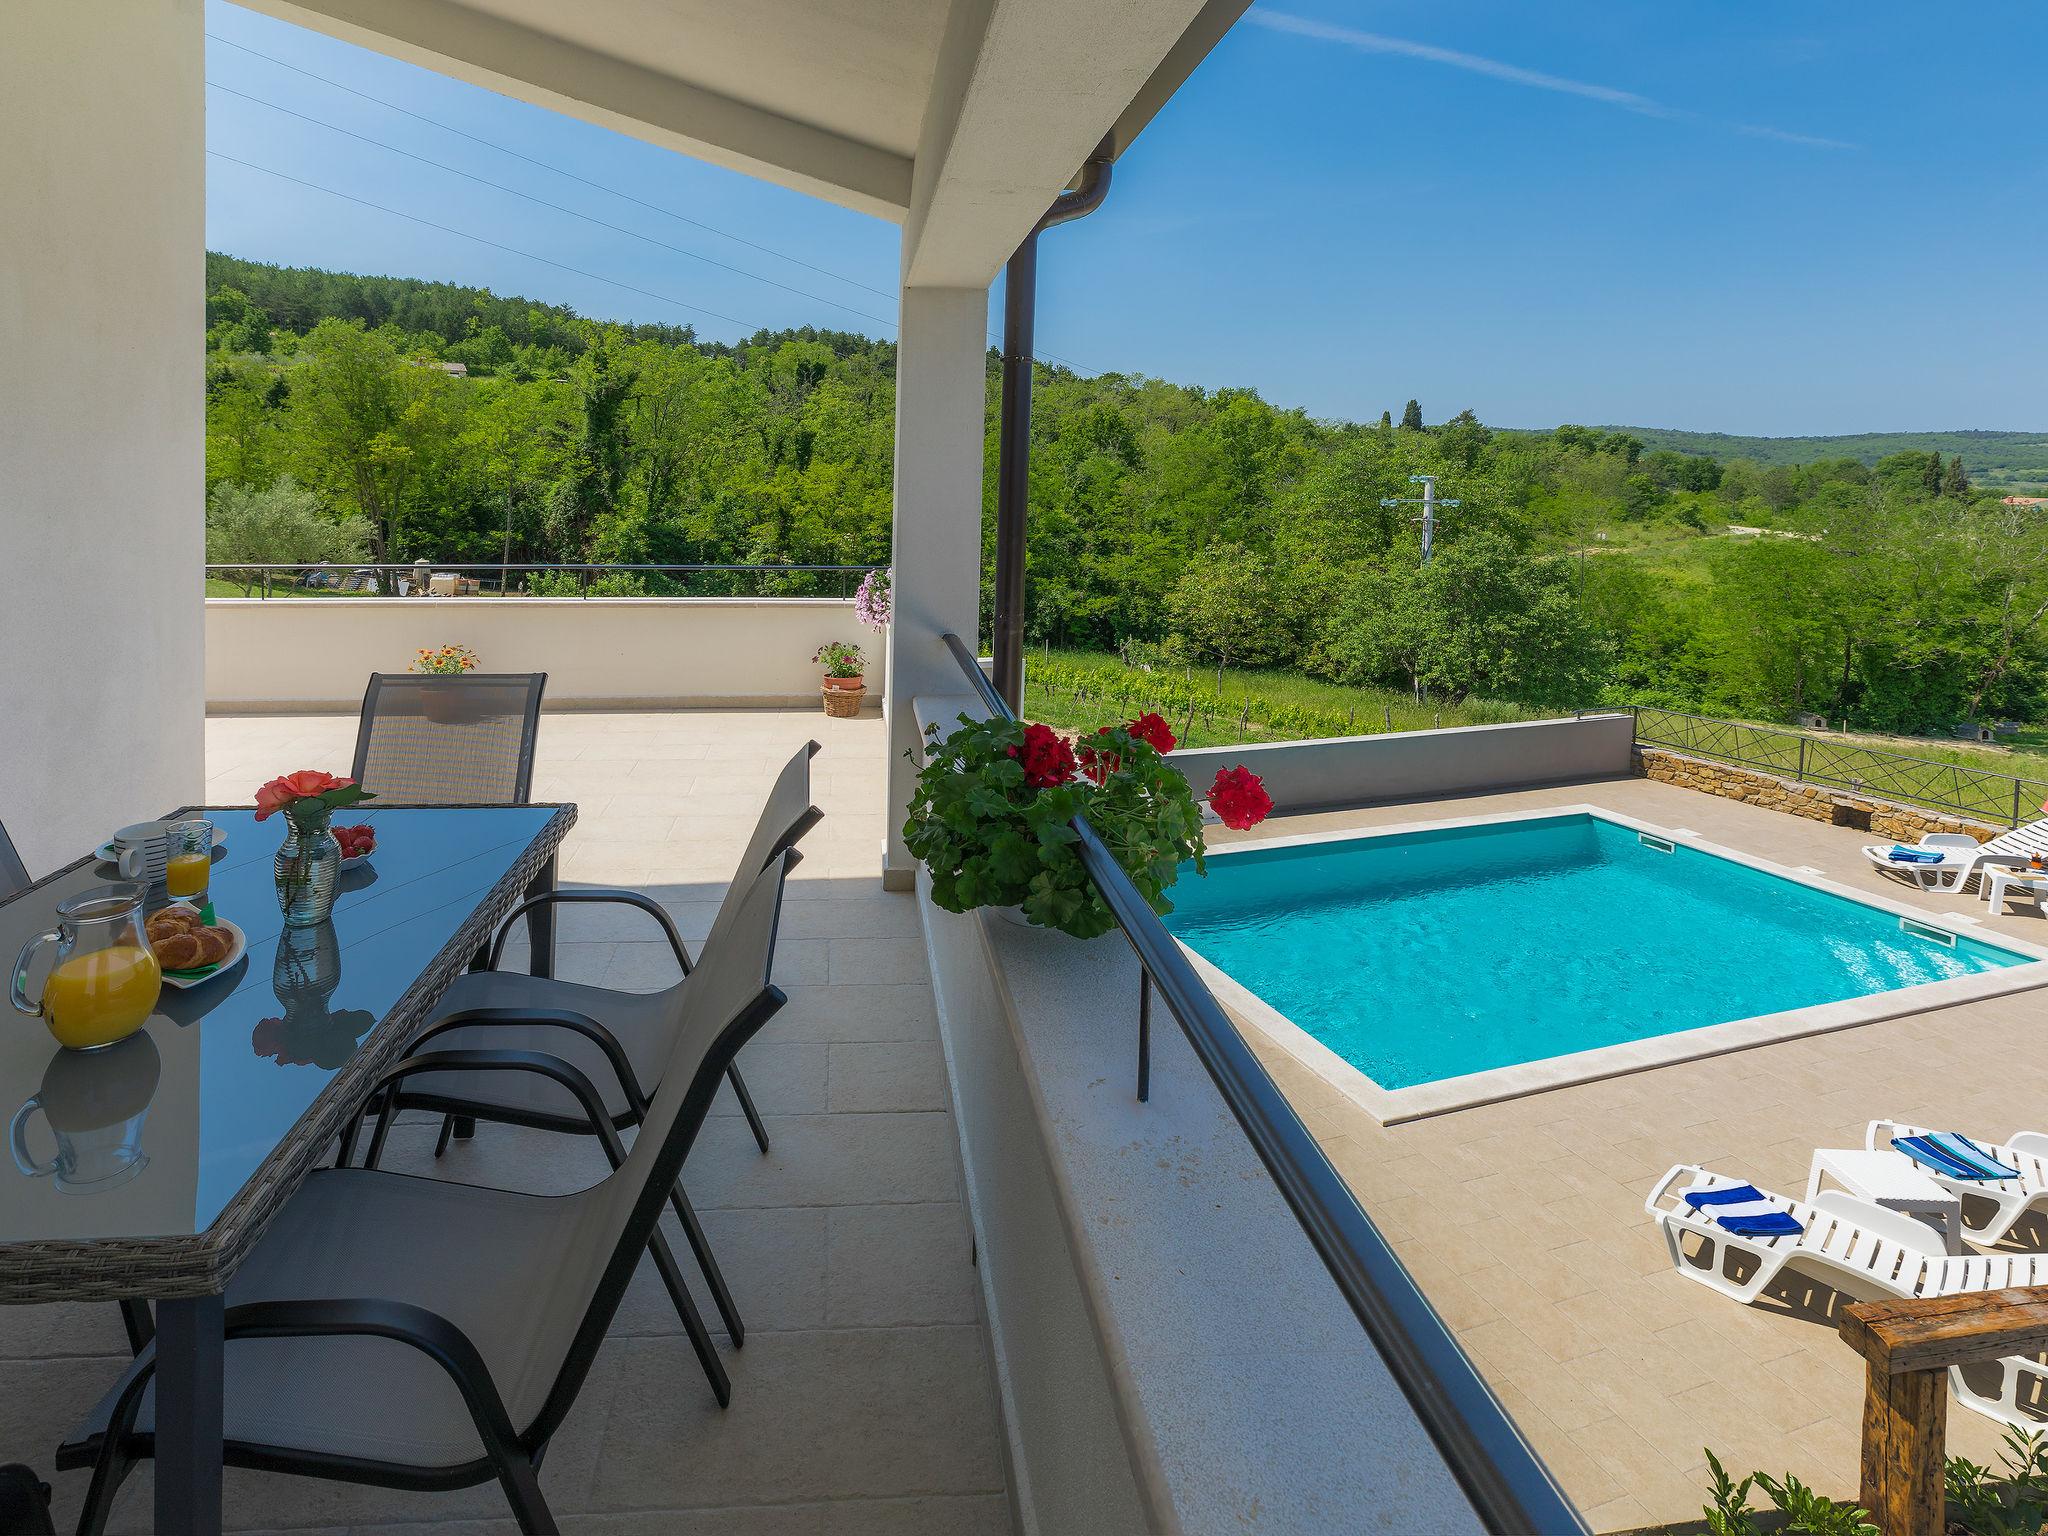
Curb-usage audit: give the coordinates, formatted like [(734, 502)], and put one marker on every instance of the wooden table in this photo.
[(174, 1149)]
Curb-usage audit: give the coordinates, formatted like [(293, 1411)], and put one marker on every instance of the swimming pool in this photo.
[(1458, 950)]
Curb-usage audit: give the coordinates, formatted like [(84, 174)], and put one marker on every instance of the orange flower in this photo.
[(302, 785)]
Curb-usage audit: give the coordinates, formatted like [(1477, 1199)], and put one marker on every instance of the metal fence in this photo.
[(1922, 781), (358, 578), (1509, 1487)]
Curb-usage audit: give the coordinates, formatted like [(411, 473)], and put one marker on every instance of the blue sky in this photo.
[(1812, 218)]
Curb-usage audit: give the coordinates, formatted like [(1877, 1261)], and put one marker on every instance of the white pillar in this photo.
[(940, 388), (102, 418)]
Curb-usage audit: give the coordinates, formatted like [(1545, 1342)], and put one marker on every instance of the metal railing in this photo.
[(1506, 1482), (1921, 781), (389, 578)]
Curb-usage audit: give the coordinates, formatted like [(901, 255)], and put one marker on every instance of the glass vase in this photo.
[(308, 865)]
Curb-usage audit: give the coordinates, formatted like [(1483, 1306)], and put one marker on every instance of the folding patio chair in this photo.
[(618, 1040), (416, 1333)]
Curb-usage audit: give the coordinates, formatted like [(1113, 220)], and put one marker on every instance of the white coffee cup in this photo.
[(143, 851)]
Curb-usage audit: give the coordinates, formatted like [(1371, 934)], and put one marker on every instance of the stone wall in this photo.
[(1816, 802)]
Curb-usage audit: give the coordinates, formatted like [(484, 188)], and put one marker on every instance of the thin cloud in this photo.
[(1785, 136), (1514, 74)]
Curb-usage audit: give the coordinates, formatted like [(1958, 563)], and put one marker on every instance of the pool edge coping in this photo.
[(1392, 1106)]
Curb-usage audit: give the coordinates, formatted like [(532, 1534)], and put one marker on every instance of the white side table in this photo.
[(1894, 1181), (2001, 878)]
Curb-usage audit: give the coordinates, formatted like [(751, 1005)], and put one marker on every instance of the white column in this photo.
[(940, 387), (102, 417)]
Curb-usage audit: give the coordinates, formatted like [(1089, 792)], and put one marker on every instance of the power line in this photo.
[(392, 106), (541, 202), (496, 245), (556, 170)]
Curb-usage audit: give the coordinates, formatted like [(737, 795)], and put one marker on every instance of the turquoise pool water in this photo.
[(1424, 955)]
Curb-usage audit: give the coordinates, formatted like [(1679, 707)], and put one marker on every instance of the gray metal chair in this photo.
[(13, 873), (618, 1040), (463, 740), (413, 1333)]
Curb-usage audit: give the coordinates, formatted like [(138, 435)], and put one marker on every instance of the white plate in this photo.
[(238, 947), (107, 854), (358, 861)]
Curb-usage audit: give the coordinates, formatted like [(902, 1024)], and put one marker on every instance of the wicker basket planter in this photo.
[(843, 696)]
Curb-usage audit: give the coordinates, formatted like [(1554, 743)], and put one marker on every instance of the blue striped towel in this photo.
[(1904, 855), (1743, 1210), (1954, 1156)]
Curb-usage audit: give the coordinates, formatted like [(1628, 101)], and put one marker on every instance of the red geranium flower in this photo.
[(1047, 759), (1239, 797), (1154, 732)]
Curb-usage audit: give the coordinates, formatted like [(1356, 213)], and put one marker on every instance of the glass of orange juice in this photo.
[(190, 866), (105, 980)]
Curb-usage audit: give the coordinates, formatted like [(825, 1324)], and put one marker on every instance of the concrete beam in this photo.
[(519, 61), (1024, 90), (941, 384)]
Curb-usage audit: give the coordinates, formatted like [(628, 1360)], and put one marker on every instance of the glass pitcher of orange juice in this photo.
[(105, 981)]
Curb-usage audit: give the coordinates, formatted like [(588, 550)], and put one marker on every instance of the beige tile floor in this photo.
[(1524, 1220), (862, 1401)]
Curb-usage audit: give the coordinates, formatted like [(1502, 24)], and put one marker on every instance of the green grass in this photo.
[(215, 587), (1080, 690)]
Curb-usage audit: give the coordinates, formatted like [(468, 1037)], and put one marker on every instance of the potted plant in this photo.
[(845, 677), (990, 817), (444, 706)]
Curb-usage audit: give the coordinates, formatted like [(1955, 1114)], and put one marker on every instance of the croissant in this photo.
[(178, 951), (213, 945), (161, 925)]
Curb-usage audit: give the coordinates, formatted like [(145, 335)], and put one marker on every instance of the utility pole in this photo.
[(1429, 502)]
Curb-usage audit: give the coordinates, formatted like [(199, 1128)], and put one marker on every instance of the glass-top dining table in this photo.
[(144, 1172)]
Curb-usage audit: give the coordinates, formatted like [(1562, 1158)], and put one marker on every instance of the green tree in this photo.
[(368, 427), (1411, 416), (1224, 606), (1954, 482), (281, 524), (1481, 617)]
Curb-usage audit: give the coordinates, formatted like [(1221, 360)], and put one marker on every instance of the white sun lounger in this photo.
[(1961, 854), (1996, 1204), (1862, 1250)]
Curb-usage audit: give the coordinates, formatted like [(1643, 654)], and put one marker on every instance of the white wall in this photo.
[(102, 239), (1352, 770), (303, 653), (1171, 1354), (941, 382)]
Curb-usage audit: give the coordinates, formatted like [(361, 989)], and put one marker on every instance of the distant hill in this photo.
[(1992, 458)]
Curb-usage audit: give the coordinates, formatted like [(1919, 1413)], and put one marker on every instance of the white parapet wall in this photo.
[(1171, 1355), (316, 653), (1469, 759)]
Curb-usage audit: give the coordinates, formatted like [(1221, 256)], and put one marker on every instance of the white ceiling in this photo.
[(860, 69)]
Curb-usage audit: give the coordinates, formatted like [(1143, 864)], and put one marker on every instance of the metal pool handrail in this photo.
[(1508, 1485)]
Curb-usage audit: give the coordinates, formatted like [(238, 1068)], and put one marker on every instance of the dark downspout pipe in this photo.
[(1013, 460)]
